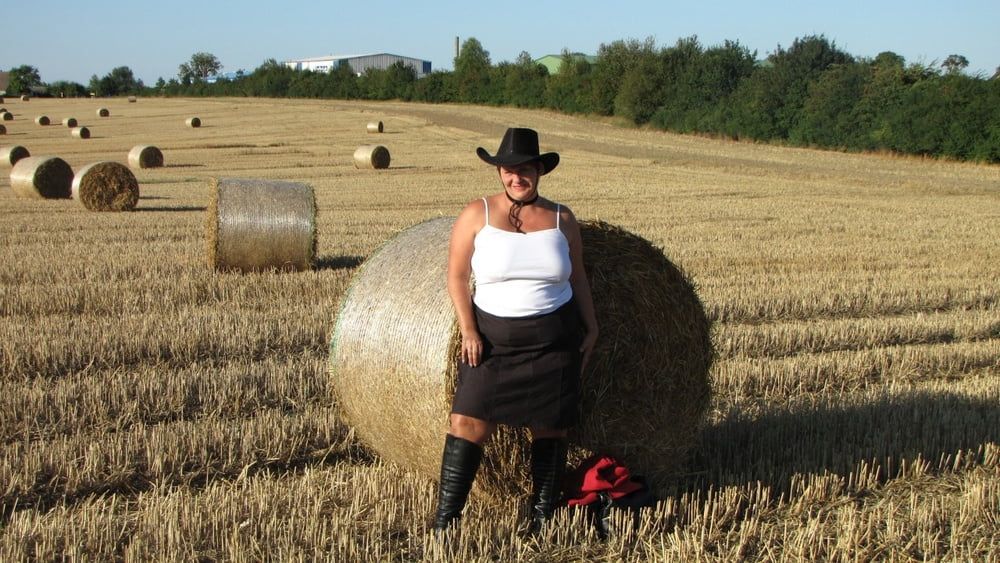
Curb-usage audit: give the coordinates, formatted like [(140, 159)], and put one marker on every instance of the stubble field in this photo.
[(151, 408)]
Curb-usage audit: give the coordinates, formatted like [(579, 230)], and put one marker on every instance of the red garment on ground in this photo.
[(596, 474)]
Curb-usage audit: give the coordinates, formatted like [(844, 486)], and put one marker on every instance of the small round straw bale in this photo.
[(193, 122), (69, 122), (145, 156), (80, 132), (106, 186), (371, 156), (103, 112), (131, 99), (6, 116), (11, 154), (25, 98), (1, 99), (42, 120), (259, 225), (375, 127), (394, 349), (41, 177)]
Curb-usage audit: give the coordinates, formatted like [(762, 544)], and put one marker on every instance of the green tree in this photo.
[(67, 89), (640, 93), (472, 72), (438, 86), (569, 89), (119, 81), (615, 60), (955, 64), (830, 116), (524, 83), (201, 66), (22, 79)]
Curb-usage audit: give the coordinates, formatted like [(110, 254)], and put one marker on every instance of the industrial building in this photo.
[(360, 63), (553, 62)]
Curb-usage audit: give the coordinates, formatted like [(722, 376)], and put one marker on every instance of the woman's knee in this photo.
[(469, 428)]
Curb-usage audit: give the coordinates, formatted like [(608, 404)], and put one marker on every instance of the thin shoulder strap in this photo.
[(558, 213), (486, 206)]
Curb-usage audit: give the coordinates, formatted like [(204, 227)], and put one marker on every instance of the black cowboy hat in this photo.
[(520, 145)]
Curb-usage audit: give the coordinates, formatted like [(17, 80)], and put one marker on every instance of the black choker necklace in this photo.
[(513, 216), (519, 202)]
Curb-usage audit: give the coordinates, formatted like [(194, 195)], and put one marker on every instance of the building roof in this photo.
[(553, 62), (341, 57)]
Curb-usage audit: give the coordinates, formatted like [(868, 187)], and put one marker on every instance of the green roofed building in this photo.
[(553, 62)]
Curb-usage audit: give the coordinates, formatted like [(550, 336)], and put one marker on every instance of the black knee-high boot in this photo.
[(548, 462), (458, 469)]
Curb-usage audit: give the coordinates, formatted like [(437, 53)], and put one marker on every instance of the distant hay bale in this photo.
[(371, 156), (41, 177), (3, 129), (42, 120), (11, 154), (131, 99), (7, 116), (1, 100), (375, 127), (25, 98), (103, 112), (69, 122), (106, 186), (394, 349), (145, 156), (193, 122), (259, 225), (80, 132)]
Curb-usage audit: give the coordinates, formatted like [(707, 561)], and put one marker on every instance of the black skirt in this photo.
[(529, 373)]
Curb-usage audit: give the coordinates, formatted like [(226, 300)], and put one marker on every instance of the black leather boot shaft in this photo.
[(459, 464), (548, 462)]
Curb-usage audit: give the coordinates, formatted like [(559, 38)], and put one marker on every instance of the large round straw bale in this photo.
[(80, 132), (6, 116), (41, 177), (25, 98), (375, 127), (106, 186), (9, 155), (193, 122), (258, 225), (393, 358), (103, 112), (42, 120), (131, 99), (69, 122), (145, 156), (371, 156)]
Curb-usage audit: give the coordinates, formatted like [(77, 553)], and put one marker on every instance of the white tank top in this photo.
[(521, 274)]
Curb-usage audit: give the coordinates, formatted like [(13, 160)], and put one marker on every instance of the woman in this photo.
[(526, 333)]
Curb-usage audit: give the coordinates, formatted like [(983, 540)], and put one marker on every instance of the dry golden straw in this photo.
[(42, 120), (131, 99), (193, 122), (9, 155), (371, 156), (393, 358), (7, 116), (375, 127), (106, 186), (145, 156), (41, 177), (80, 132), (69, 122), (103, 112), (258, 225)]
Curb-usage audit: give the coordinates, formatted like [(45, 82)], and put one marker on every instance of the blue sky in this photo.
[(72, 40)]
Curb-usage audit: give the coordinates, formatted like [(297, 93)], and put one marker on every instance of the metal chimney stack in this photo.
[(456, 46)]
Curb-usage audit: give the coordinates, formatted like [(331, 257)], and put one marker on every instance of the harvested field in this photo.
[(153, 409)]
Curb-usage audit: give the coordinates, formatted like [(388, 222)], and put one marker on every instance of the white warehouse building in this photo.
[(360, 63)]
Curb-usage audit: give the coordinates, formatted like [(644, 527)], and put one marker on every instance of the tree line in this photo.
[(809, 94)]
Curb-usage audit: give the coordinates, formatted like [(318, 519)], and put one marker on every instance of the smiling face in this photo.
[(521, 181)]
